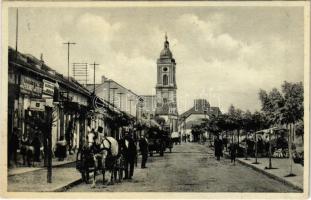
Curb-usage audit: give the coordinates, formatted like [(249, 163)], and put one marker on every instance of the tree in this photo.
[(247, 125), (293, 108), (272, 105), (300, 129), (286, 108), (235, 120)]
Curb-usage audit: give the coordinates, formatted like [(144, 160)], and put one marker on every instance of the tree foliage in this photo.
[(285, 107)]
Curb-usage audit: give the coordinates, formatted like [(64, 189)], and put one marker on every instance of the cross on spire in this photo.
[(165, 36)]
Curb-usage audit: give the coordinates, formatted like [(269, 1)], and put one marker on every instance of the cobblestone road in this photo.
[(191, 168)]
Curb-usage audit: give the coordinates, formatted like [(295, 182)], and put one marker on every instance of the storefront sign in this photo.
[(48, 88), (37, 105), (31, 87)]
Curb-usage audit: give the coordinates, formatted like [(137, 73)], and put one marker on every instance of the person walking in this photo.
[(36, 143), (61, 149), (232, 152), (25, 150), (143, 146), (129, 154), (218, 147), (14, 146)]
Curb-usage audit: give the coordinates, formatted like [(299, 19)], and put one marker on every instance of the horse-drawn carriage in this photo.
[(158, 142), (104, 157)]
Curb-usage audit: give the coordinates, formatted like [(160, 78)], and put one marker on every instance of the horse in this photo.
[(107, 156)]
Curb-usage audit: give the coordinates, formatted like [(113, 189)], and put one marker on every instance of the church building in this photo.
[(166, 102)]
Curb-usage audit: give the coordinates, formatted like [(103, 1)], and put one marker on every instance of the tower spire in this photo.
[(165, 36)]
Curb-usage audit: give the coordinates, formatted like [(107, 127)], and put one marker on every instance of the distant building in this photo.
[(195, 115), (148, 106), (118, 95), (166, 87)]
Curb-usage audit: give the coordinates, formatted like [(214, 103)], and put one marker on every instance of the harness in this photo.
[(106, 148)]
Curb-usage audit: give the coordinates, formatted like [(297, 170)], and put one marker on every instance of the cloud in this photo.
[(220, 55)]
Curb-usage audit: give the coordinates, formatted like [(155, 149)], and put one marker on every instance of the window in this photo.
[(165, 79)]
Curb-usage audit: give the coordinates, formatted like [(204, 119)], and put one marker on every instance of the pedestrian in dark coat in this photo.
[(36, 143), (14, 145), (129, 151), (233, 151), (143, 146), (218, 147), (25, 151)]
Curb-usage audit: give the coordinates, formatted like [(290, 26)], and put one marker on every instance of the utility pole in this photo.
[(94, 65), (120, 97), (109, 90), (68, 49), (49, 121), (16, 40), (270, 163), (256, 149)]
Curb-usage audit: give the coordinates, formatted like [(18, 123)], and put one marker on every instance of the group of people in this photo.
[(127, 147), (219, 145), (30, 148)]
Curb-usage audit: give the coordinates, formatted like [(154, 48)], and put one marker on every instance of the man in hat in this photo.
[(129, 152), (143, 146)]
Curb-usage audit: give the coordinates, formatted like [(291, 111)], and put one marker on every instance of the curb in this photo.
[(282, 180), (42, 168), (69, 185)]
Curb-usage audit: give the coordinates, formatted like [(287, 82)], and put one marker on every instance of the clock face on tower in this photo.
[(165, 69)]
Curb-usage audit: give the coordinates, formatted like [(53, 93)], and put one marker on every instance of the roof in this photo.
[(201, 107), (98, 85), (189, 124), (30, 63), (192, 111)]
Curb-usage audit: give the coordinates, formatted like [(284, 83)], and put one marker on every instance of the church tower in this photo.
[(166, 87)]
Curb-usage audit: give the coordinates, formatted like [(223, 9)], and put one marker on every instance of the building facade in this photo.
[(195, 115), (33, 86), (166, 101)]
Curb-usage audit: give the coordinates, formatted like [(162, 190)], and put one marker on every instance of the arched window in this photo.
[(165, 79)]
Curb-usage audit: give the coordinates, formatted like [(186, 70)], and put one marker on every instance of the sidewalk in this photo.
[(36, 181), (38, 166), (280, 169), (64, 176)]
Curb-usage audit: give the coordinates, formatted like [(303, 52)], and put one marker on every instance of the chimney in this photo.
[(104, 78)]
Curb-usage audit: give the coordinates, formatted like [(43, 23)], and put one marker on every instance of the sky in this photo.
[(223, 54)]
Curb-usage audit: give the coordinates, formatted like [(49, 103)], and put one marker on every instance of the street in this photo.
[(191, 167)]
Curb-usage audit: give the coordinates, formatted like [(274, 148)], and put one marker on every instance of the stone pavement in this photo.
[(20, 169), (36, 181), (281, 168)]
